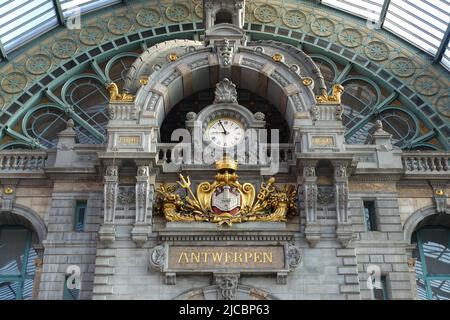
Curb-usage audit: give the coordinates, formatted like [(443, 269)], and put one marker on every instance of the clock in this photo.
[(225, 132)]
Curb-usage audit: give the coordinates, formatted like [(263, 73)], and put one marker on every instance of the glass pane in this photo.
[(8, 290), (89, 98), (423, 23), (421, 289), (364, 8), (12, 247), (436, 251), (68, 6), (440, 289), (446, 58), (32, 256), (27, 293), (22, 20)]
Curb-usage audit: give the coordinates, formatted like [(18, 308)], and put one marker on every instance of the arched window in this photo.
[(17, 267), (433, 263)]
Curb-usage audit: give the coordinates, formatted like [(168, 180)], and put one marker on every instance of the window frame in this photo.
[(374, 219), (77, 205)]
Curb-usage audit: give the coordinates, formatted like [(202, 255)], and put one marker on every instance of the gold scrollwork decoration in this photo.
[(225, 200)]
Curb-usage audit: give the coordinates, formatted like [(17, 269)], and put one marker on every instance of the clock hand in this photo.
[(224, 130)]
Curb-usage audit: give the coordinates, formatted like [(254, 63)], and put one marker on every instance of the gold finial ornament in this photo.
[(334, 98), (277, 57), (225, 200), (115, 96), (172, 56), (8, 190), (439, 192), (307, 81)]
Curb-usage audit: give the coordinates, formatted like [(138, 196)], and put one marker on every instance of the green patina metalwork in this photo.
[(376, 55)]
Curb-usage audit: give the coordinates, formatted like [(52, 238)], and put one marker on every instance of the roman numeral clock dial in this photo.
[(225, 132)]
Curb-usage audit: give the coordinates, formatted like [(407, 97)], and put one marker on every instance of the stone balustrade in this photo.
[(426, 162), (285, 153), (22, 160)]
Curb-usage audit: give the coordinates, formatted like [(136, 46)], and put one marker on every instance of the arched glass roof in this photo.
[(423, 23)]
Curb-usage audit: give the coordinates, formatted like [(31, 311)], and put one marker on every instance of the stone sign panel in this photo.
[(186, 258), (178, 259)]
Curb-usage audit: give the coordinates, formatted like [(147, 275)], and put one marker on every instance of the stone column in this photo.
[(144, 194), (312, 226), (107, 233), (344, 230)]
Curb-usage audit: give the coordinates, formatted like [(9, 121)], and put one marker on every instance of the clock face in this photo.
[(225, 132)]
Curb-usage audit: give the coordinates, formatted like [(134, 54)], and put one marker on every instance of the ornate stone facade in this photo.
[(133, 238)]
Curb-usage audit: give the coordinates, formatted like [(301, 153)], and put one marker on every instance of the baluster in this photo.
[(15, 166), (424, 162), (418, 164), (439, 163), (20, 162), (2, 158), (432, 164), (8, 162), (445, 164)]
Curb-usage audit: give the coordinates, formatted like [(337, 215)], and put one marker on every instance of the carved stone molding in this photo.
[(157, 258), (325, 195), (294, 256), (341, 201), (144, 194), (227, 283), (107, 230), (344, 233), (225, 92), (313, 233), (440, 196)]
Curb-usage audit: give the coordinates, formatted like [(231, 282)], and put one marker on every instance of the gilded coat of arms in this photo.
[(226, 201)]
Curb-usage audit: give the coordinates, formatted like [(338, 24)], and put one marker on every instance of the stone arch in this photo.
[(243, 292), (253, 68), (413, 221), (27, 217)]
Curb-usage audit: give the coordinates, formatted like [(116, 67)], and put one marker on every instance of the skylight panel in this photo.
[(368, 9), (69, 7), (23, 20), (446, 58), (420, 22)]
